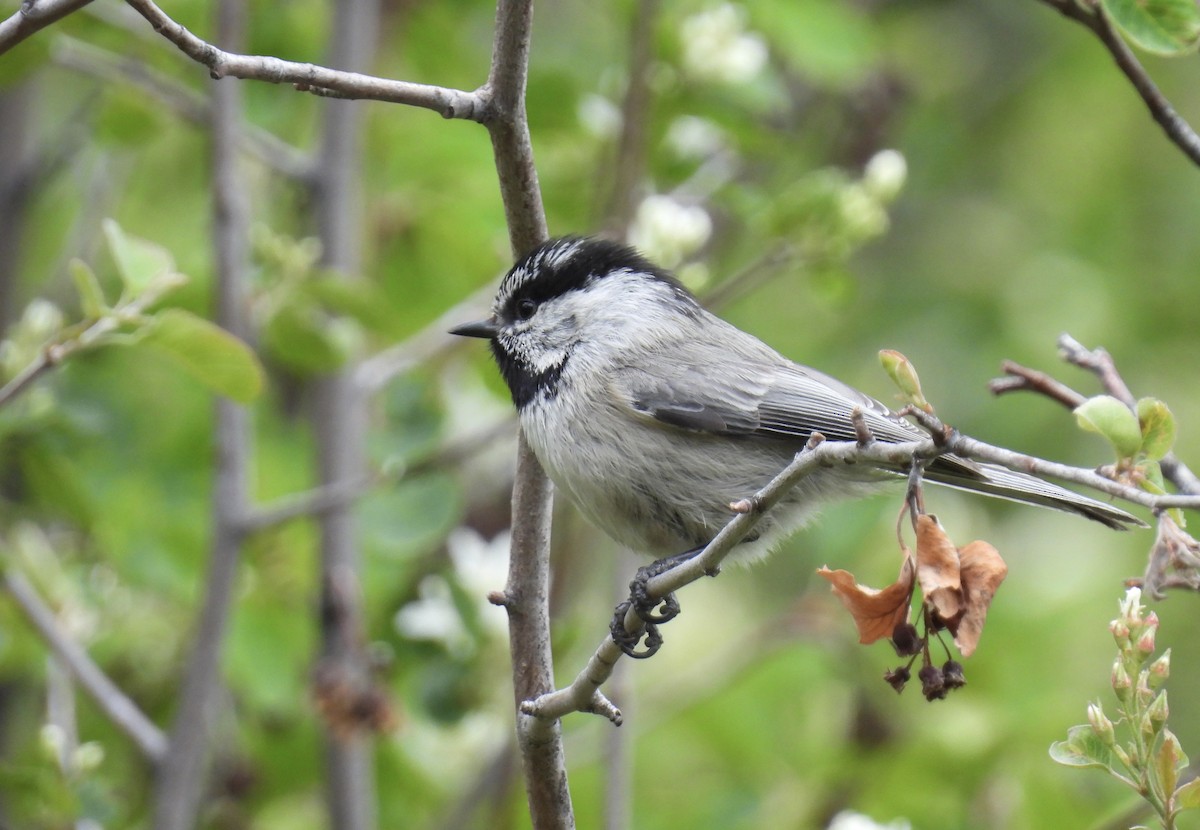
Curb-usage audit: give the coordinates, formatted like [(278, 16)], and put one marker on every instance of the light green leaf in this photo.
[(1166, 27), (91, 296), (1152, 478), (1112, 419), (140, 263), (1187, 797), (207, 352), (1158, 428), (1082, 748), (1168, 760)]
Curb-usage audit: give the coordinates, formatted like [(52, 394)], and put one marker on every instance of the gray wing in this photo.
[(761, 395), (752, 391)]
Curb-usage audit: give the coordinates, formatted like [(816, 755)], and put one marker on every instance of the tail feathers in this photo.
[(1002, 483)]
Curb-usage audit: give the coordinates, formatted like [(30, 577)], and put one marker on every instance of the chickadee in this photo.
[(653, 415)]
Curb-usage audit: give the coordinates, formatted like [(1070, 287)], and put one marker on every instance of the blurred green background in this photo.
[(1040, 198)]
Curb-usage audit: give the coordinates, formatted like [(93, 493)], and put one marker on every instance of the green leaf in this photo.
[(1158, 428), (1166, 27), (207, 352), (1112, 419), (91, 296), (141, 263), (1168, 760), (1082, 748), (1187, 797), (1152, 478)]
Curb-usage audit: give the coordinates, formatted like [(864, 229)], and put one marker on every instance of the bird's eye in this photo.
[(525, 309)]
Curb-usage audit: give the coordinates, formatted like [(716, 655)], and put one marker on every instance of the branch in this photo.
[(527, 591), (180, 786), (307, 77), (115, 704), (583, 694), (1092, 16), (1099, 362), (33, 16)]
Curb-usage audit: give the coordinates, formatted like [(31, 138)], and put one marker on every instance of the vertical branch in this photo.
[(528, 587), (340, 422), (629, 167), (182, 776), (16, 189)]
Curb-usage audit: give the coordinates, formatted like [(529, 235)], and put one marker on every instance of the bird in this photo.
[(653, 415)]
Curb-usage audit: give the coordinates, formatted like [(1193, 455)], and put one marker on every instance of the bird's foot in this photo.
[(653, 611)]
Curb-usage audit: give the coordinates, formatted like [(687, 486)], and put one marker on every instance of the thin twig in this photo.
[(1092, 16), (120, 709), (33, 16), (583, 694), (1099, 362), (307, 77)]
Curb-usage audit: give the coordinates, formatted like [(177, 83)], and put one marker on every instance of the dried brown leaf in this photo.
[(938, 570), (876, 612), (982, 570)]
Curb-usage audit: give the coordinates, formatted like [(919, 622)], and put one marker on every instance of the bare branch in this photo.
[(115, 704), (527, 592), (1173, 124), (1023, 379), (583, 694), (181, 783), (1099, 362), (33, 16), (307, 77)]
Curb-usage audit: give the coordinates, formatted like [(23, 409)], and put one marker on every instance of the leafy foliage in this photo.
[(1013, 224)]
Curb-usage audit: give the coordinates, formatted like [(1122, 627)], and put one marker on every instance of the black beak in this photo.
[(487, 329)]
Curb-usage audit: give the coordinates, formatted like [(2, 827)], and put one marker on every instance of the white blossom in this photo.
[(717, 47), (599, 116), (850, 820), (884, 175), (433, 616), (692, 137), (667, 231)]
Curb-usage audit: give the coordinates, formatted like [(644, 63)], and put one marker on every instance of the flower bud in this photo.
[(1144, 644), (884, 175), (1144, 692), (1101, 725), (1122, 684), (87, 757), (1158, 711), (1120, 632), (1159, 670)]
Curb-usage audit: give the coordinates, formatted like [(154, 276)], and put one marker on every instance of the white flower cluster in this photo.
[(480, 566), (717, 47), (850, 820), (668, 231)]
